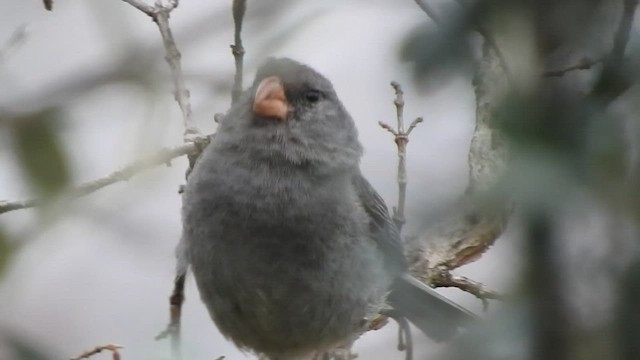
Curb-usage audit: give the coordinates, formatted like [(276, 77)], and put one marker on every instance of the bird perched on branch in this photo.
[(292, 250)]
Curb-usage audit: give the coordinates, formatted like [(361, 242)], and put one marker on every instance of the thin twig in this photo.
[(584, 64), (175, 313), (405, 340), (98, 349), (160, 15), (239, 9), (444, 278), (401, 138), (163, 156)]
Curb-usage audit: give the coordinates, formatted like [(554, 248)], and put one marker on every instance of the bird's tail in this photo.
[(437, 317)]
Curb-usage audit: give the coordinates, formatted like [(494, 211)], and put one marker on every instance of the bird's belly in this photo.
[(287, 288)]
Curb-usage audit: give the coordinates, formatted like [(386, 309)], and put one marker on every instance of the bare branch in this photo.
[(163, 156), (239, 9), (446, 279), (401, 138), (98, 349), (175, 313), (584, 64), (465, 236)]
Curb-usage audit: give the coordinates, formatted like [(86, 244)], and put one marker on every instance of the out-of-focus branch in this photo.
[(98, 349), (621, 37), (239, 9), (584, 64), (550, 331), (48, 4), (401, 138), (611, 82), (16, 39), (175, 314), (163, 156)]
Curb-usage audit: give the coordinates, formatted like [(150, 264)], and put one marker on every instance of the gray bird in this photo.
[(291, 248)]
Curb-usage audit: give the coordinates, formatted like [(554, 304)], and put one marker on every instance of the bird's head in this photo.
[(292, 113)]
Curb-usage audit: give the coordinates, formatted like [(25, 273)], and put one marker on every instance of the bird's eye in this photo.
[(313, 96)]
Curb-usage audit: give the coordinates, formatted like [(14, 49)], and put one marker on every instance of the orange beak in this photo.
[(270, 100)]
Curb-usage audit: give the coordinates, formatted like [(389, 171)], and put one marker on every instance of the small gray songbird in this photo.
[(292, 250)]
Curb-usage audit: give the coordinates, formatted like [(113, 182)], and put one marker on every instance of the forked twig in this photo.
[(401, 138)]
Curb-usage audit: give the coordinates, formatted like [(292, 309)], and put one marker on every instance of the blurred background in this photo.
[(84, 90)]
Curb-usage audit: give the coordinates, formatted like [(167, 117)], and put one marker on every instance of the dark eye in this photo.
[(313, 96)]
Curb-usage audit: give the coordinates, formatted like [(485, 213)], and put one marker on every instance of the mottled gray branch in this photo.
[(463, 237)]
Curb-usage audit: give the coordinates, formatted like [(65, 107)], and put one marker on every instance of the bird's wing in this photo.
[(383, 230)]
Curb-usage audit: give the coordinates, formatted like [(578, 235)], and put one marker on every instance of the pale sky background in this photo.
[(101, 270)]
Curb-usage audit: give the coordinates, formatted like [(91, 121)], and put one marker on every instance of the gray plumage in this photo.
[(291, 248)]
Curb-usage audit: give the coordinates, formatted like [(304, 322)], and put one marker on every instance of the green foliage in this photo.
[(40, 153)]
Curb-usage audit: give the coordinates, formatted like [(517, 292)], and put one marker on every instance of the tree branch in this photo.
[(98, 349), (584, 64), (463, 237), (239, 9), (401, 138), (446, 279), (621, 37), (175, 314), (612, 82), (163, 156)]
